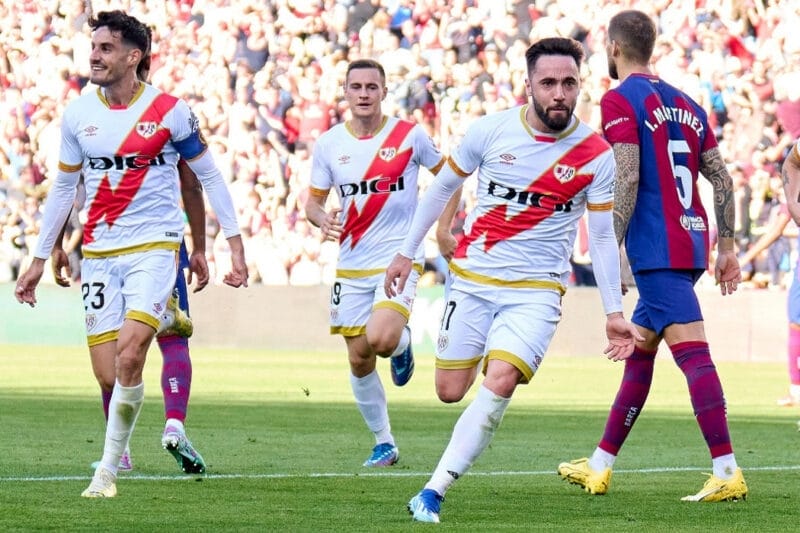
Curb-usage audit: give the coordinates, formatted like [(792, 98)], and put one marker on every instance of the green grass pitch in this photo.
[(284, 445)]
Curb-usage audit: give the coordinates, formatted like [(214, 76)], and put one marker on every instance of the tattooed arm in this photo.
[(791, 182), (726, 270), (713, 168), (626, 186)]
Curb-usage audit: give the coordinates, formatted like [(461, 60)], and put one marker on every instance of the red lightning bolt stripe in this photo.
[(498, 227), (357, 224), (108, 204)]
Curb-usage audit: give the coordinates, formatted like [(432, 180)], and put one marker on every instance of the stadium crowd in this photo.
[(265, 76)]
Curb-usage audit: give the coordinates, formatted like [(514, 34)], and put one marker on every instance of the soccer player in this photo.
[(791, 186), (774, 232), (539, 168), (661, 140), (372, 161), (126, 138), (173, 335)]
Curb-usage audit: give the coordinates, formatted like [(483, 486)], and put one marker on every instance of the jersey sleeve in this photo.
[(618, 119), (600, 193), (469, 153), (186, 135), (430, 156), (321, 175), (70, 158)]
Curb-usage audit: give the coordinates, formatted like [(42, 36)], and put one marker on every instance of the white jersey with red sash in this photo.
[(376, 181), (128, 156), (532, 190)]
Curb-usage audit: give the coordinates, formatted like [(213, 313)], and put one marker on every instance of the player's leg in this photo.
[(684, 333), (176, 383), (593, 473), (105, 373), (793, 348), (370, 398), (350, 309), (517, 335), (388, 332), (140, 285), (104, 307)]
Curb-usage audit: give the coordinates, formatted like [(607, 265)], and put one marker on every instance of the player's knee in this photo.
[(383, 343), (449, 392), (106, 381)]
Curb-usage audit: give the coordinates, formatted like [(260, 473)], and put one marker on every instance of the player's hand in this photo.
[(622, 337), (59, 262), (238, 275), (331, 227), (727, 272), (397, 275), (198, 270), (25, 291), (447, 244)]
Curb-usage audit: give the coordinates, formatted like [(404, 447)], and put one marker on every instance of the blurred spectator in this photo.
[(265, 80)]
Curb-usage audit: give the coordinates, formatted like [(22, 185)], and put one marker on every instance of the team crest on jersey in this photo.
[(387, 154), (91, 320), (564, 173), (146, 129)]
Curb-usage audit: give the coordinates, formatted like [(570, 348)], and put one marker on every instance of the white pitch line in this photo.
[(383, 473)]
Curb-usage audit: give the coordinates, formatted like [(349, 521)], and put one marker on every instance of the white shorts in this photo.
[(134, 286), (354, 299), (513, 325)]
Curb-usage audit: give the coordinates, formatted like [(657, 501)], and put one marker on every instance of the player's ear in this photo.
[(134, 56), (384, 93)]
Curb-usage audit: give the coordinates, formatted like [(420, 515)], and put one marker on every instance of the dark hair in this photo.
[(132, 33), (366, 63), (553, 46), (635, 33)]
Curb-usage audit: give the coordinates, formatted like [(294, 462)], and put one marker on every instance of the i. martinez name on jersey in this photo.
[(128, 158), (376, 181)]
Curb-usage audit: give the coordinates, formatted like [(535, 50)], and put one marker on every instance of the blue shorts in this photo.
[(666, 297), (793, 299)]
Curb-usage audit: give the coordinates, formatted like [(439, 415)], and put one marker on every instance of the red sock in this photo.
[(794, 354), (630, 399), (705, 390), (176, 375), (106, 396)]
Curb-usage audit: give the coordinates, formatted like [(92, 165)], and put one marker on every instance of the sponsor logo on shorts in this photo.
[(442, 343), (158, 308)]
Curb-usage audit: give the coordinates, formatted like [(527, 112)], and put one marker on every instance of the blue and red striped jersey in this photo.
[(669, 226)]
